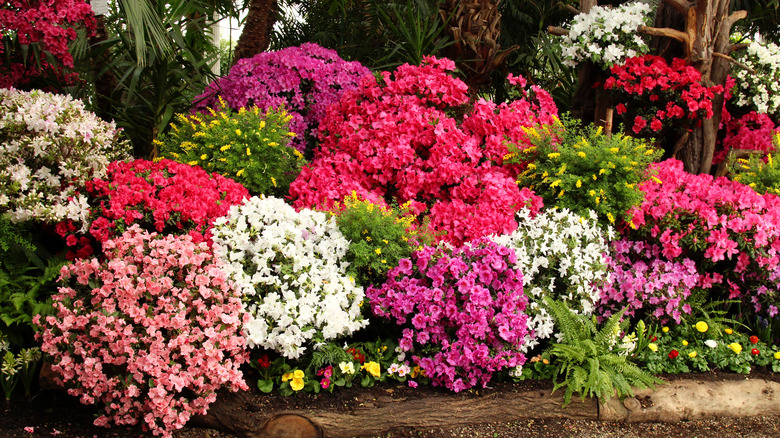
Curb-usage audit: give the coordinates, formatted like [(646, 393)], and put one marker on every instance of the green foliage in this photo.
[(581, 168), (762, 174), (250, 146), (590, 360), (379, 238), (17, 367)]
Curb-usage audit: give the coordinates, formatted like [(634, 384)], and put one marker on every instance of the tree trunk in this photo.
[(256, 36)]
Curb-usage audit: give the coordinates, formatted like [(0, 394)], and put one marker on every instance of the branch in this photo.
[(733, 18), (681, 6), (558, 31), (571, 9), (665, 32), (734, 61), (740, 46)]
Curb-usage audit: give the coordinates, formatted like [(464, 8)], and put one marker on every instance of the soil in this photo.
[(54, 413)]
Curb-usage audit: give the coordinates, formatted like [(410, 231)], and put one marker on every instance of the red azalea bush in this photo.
[(47, 24), (729, 230), (305, 80), (411, 137), (152, 332), (463, 311), (164, 196), (658, 94), (753, 131)]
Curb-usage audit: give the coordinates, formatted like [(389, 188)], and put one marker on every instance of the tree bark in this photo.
[(256, 36)]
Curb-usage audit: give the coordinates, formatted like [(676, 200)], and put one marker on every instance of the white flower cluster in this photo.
[(606, 35), (288, 266), (759, 90), (561, 255), (49, 147)]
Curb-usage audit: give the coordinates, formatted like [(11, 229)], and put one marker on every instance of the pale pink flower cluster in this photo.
[(151, 332)]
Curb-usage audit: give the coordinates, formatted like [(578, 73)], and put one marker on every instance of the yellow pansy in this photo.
[(372, 368)]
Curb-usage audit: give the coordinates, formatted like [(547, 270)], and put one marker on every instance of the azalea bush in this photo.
[(305, 80), (249, 146), (561, 255), (659, 96), (607, 35), (462, 309), (164, 196), (582, 169), (290, 270), (753, 131), (400, 139), (378, 238), (151, 332), (50, 146), (725, 227), (759, 89)]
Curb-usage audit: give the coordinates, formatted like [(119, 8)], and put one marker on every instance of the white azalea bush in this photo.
[(50, 146), (607, 35), (759, 90), (561, 255), (288, 266)]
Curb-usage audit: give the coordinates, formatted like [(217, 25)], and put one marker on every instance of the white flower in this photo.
[(347, 368), (759, 91), (711, 343)]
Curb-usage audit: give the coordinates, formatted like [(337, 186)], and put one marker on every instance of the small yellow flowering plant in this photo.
[(582, 168), (250, 146), (762, 174)]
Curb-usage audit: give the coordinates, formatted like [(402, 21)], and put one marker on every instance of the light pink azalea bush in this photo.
[(151, 332), (731, 232), (463, 311), (412, 137), (305, 80)]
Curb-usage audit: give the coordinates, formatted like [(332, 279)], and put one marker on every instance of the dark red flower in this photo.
[(755, 352), (673, 354), (264, 362)]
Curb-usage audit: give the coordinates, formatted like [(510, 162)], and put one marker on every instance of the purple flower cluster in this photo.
[(464, 311), (305, 80)]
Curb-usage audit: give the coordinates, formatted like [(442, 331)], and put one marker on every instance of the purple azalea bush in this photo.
[(463, 310), (306, 80)]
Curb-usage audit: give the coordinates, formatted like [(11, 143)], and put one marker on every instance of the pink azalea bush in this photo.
[(305, 80), (152, 332), (729, 230), (752, 131), (164, 196), (410, 137), (649, 284), (659, 94), (462, 311)]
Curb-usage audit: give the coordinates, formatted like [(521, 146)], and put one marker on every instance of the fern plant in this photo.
[(594, 361)]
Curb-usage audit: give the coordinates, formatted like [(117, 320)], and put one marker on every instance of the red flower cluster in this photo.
[(673, 354), (264, 362), (406, 138), (357, 354), (752, 131), (48, 23), (166, 197), (674, 92)]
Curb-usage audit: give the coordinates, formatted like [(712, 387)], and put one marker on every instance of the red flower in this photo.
[(653, 339), (621, 109), (264, 362), (673, 354), (755, 352), (754, 339)]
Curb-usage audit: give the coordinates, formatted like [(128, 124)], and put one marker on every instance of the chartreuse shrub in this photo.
[(250, 146), (379, 237), (761, 174), (582, 168), (19, 367), (593, 360)]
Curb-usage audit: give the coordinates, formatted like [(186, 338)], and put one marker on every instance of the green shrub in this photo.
[(763, 175), (249, 146)]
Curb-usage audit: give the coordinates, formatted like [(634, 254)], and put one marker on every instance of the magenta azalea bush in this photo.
[(462, 311), (164, 196), (753, 131), (410, 137), (729, 230), (152, 331), (305, 80)]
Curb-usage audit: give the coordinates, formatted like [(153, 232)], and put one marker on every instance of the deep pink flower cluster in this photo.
[(648, 283), (305, 79), (724, 226), (753, 131), (164, 196), (152, 332), (659, 93), (405, 138), (48, 23), (463, 310)]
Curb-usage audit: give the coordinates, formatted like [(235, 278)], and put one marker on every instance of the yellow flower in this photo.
[(614, 150), (203, 157), (553, 155), (372, 368), (224, 148), (685, 343), (273, 144), (702, 326), (248, 152), (296, 384), (611, 218), (192, 163), (728, 331), (287, 376), (240, 172), (653, 347), (692, 354), (560, 195), (579, 183), (555, 183), (378, 251), (656, 179), (582, 154), (601, 171), (298, 374), (273, 181), (665, 329), (777, 355), (735, 347)]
